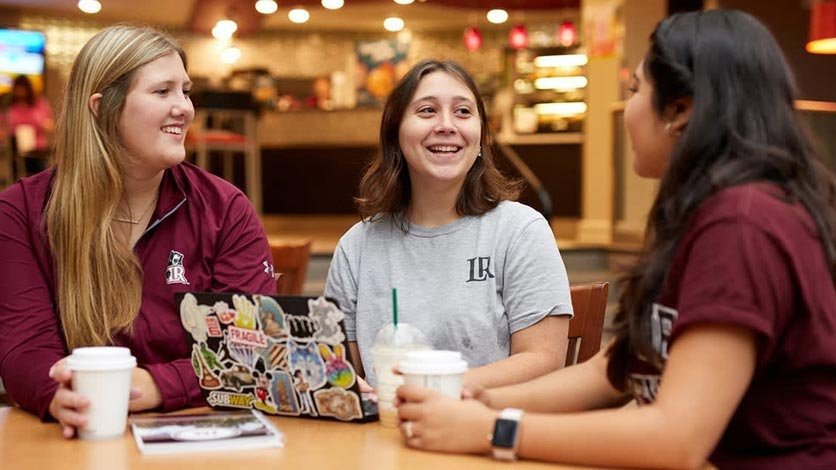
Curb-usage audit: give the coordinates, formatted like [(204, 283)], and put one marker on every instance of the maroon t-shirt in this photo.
[(204, 236), (751, 260)]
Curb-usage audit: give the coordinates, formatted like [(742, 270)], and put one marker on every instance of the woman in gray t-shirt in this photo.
[(476, 272)]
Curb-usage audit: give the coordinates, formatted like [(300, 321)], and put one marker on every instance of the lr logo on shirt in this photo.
[(480, 269), (175, 273)]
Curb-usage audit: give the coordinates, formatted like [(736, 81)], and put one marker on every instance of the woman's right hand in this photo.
[(476, 392), (67, 407)]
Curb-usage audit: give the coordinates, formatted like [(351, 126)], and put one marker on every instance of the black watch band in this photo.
[(506, 434)]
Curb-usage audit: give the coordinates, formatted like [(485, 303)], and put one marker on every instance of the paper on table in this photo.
[(213, 431)]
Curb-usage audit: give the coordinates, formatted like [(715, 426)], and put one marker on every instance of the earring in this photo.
[(669, 126), (479, 155)]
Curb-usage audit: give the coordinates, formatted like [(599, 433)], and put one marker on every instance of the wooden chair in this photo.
[(290, 261), (590, 303)]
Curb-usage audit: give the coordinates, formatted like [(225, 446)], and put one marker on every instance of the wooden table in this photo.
[(26, 443)]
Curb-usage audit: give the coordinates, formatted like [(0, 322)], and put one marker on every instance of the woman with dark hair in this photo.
[(29, 117), (726, 329), (475, 271)]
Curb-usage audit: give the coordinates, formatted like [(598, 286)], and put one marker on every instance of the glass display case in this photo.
[(549, 87)]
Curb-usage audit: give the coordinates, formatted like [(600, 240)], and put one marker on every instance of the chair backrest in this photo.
[(290, 261), (589, 302)]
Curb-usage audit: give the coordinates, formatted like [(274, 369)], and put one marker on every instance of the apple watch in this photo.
[(506, 434)]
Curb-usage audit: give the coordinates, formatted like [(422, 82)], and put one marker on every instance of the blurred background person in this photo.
[(30, 124)]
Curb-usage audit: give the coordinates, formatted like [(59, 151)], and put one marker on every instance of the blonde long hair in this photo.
[(99, 279)]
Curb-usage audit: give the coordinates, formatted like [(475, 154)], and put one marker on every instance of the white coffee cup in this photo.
[(442, 371), (103, 376)]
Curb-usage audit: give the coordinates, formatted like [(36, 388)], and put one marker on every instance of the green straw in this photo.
[(395, 307)]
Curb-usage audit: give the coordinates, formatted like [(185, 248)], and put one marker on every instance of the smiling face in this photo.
[(156, 115), (652, 143), (440, 132)]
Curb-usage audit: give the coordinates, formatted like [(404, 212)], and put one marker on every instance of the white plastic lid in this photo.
[(402, 336), (433, 362), (101, 358)]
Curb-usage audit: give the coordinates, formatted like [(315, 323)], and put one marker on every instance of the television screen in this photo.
[(21, 53)]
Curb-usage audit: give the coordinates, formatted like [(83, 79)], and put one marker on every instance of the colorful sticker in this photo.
[(272, 317), (237, 377), (245, 312), (338, 403), (213, 327), (246, 337), (326, 317), (203, 371), (306, 359), (282, 390), (308, 373), (274, 355), (263, 398), (303, 389), (192, 317), (340, 373), (245, 346), (302, 328), (225, 314), (235, 400)]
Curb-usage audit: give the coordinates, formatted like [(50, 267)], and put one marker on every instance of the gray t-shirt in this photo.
[(467, 285)]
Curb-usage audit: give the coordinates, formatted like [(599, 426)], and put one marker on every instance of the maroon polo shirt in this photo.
[(204, 236), (752, 260)]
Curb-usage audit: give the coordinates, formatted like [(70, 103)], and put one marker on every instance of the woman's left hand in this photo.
[(145, 395), (432, 421)]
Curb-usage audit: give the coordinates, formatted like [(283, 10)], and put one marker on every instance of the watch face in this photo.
[(504, 432)]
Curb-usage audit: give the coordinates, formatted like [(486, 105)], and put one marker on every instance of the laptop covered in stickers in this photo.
[(282, 355)]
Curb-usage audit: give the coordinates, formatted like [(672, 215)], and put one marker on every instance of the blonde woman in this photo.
[(95, 248)]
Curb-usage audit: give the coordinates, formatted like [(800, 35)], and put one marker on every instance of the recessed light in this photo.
[(393, 23), (497, 16), (266, 7), (89, 6), (298, 15)]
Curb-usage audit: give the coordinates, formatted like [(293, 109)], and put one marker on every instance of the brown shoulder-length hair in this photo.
[(385, 188)]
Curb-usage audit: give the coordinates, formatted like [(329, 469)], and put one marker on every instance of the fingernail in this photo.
[(51, 371)]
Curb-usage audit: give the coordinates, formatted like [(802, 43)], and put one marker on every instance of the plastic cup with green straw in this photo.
[(395, 307)]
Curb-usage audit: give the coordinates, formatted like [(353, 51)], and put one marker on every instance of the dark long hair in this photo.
[(385, 187), (743, 128), (22, 81)]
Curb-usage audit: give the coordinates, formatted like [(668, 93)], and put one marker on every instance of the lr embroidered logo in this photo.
[(480, 269), (175, 273)]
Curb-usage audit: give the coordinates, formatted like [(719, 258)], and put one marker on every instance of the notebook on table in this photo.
[(282, 355)]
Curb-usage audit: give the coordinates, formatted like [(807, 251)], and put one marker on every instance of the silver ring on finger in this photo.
[(407, 429)]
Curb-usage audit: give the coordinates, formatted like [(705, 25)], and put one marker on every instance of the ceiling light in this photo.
[(89, 6), (333, 4), (230, 55), (224, 29), (266, 7), (497, 16), (393, 23), (404, 2), (298, 15)]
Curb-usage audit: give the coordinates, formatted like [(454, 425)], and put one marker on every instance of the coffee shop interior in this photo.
[(289, 99)]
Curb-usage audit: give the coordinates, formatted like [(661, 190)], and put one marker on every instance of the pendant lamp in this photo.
[(822, 39)]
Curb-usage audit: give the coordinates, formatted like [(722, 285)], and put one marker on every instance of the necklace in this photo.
[(144, 213)]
